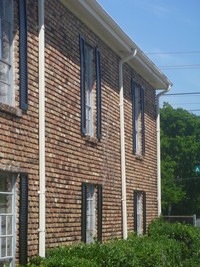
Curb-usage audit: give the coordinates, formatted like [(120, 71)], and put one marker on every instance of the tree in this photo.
[(180, 152)]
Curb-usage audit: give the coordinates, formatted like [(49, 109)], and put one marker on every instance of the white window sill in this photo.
[(4, 108), (139, 156), (91, 139)]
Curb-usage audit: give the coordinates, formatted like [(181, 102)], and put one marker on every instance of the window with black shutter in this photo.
[(138, 118), (98, 81), (7, 92), (23, 55), (91, 212), (84, 211), (139, 212), (6, 25), (7, 219), (90, 85), (23, 219)]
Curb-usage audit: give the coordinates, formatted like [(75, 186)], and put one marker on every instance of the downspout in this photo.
[(122, 139), (158, 148), (41, 128)]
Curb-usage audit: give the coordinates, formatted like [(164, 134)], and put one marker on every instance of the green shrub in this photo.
[(72, 256), (156, 252), (165, 245), (186, 234), (36, 261), (69, 262)]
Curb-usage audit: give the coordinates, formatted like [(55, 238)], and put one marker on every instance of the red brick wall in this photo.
[(70, 158), (141, 172), (19, 129)]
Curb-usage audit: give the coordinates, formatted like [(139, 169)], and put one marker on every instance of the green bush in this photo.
[(165, 245), (186, 234), (156, 252)]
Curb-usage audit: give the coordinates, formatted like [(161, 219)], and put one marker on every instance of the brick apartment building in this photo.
[(78, 143)]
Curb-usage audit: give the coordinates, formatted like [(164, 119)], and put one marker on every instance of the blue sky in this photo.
[(169, 27)]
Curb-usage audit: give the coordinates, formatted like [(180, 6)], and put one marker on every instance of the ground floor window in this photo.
[(139, 212), (91, 212), (7, 220)]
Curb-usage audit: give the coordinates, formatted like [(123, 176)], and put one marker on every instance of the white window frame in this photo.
[(89, 54), (139, 213), (90, 213), (8, 260), (9, 97), (138, 126)]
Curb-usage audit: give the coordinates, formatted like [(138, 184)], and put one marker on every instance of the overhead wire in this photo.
[(185, 66), (178, 94), (192, 110), (188, 103), (179, 67), (177, 52), (184, 94)]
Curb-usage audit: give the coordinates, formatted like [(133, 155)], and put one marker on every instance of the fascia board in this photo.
[(88, 14), (99, 21), (154, 75)]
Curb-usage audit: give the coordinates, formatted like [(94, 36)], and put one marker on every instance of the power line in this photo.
[(176, 94), (192, 110), (177, 52), (187, 66), (187, 103)]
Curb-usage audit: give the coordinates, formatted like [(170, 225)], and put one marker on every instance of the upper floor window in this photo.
[(138, 119), (90, 90), (7, 36), (6, 95)]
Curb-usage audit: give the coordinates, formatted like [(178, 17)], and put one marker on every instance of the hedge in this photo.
[(166, 244)]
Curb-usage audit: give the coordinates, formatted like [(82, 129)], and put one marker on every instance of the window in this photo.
[(138, 119), (6, 54), (140, 212), (91, 212), (90, 90), (7, 218), (23, 219), (6, 95)]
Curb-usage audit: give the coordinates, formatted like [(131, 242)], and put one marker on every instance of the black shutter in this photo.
[(144, 213), (23, 220), (82, 70), (84, 209), (135, 211), (133, 115), (98, 80), (100, 202), (23, 52), (143, 124)]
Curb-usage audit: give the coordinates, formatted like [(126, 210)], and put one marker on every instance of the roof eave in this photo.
[(96, 18)]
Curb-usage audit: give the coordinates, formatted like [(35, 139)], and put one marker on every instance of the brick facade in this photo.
[(71, 158)]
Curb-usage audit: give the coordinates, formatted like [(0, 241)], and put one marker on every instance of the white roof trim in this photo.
[(96, 18)]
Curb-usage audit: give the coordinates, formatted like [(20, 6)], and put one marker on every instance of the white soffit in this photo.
[(96, 18)]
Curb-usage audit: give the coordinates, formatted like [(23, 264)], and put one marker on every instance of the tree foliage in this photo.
[(180, 152)]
